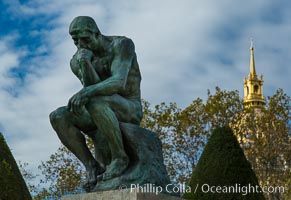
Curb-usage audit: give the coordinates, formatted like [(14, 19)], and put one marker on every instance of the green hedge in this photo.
[(223, 164), (12, 184)]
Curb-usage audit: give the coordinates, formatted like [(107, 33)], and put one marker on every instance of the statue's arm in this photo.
[(89, 75), (82, 67), (76, 69), (124, 53)]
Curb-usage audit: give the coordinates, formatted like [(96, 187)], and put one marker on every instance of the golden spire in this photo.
[(253, 87), (252, 60)]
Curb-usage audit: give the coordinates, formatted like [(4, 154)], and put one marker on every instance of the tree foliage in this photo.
[(265, 136), (62, 173), (184, 132)]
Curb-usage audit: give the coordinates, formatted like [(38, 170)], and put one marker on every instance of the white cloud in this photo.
[(8, 60)]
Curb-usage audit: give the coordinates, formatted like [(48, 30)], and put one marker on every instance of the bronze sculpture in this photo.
[(108, 109)]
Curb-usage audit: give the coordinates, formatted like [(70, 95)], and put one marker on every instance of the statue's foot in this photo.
[(92, 178), (114, 169)]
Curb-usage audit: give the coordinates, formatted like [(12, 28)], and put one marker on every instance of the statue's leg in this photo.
[(101, 148), (105, 112), (68, 127)]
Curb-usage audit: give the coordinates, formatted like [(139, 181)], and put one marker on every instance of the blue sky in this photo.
[(184, 48)]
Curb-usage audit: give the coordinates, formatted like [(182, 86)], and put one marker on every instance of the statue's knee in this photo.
[(52, 117), (57, 116)]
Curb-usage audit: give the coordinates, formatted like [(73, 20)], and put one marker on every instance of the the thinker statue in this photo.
[(109, 72)]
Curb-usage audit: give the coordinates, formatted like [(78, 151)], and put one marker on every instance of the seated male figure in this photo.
[(108, 69)]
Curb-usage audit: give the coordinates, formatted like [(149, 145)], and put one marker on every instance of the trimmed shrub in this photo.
[(223, 172), (12, 184)]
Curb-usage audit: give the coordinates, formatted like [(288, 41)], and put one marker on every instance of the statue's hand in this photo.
[(77, 102), (84, 55)]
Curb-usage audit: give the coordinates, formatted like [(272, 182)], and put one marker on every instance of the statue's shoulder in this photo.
[(119, 40)]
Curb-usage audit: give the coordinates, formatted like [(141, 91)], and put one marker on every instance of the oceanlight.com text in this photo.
[(242, 189)]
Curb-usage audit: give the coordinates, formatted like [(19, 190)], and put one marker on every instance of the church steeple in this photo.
[(253, 87), (252, 60)]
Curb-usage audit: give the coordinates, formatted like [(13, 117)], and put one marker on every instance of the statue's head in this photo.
[(84, 32), (83, 23)]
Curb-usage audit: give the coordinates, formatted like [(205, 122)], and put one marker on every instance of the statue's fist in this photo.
[(84, 55)]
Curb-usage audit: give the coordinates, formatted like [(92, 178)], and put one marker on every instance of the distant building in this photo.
[(253, 99)]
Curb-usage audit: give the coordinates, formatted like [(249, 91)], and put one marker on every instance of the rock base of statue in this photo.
[(144, 149), (120, 195)]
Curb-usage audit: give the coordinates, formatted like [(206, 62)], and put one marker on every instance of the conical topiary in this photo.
[(12, 184), (223, 172)]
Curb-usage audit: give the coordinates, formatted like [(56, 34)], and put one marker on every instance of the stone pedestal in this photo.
[(120, 195)]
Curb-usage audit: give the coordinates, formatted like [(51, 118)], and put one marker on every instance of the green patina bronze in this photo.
[(109, 72)]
